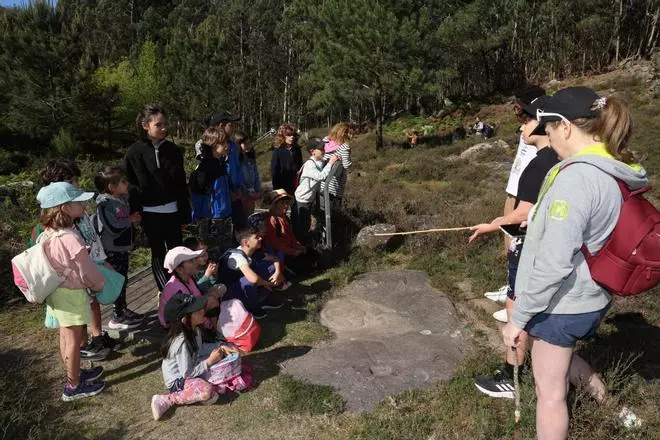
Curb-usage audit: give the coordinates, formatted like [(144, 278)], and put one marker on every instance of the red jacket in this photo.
[(279, 235)]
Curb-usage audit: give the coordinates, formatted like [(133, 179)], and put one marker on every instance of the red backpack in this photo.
[(629, 262)]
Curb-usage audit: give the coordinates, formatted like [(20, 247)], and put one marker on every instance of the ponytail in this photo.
[(612, 126)]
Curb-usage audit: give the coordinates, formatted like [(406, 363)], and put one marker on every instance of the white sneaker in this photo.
[(501, 316), (499, 295)]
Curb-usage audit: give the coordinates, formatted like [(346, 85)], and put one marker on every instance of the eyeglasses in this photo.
[(541, 114)]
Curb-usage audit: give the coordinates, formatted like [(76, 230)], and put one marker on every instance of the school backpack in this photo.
[(487, 131), (238, 326), (629, 262), (33, 274)]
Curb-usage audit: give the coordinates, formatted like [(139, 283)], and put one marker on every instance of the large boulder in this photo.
[(366, 238), (394, 332), (475, 150)]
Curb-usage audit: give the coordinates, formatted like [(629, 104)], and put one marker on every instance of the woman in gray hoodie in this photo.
[(557, 301)]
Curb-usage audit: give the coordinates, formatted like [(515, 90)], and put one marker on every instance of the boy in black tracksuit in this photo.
[(158, 190)]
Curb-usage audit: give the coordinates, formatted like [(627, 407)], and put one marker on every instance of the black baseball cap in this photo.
[(223, 116), (181, 304), (529, 93), (316, 143), (572, 103), (535, 104)]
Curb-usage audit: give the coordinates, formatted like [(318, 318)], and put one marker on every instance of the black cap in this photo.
[(223, 116), (529, 93), (316, 143), (181, 304), (572, 103), (535, 104)]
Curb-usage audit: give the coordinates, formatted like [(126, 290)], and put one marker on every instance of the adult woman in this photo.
[(158, 189), (286, 159), (557, 302)]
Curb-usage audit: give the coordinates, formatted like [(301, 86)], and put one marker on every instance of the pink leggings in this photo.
[(194, 390), (198, 390)]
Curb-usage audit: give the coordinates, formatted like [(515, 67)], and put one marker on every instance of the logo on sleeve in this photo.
[(559, 210)]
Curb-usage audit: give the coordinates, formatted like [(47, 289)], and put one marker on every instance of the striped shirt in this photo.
[(338, 181)]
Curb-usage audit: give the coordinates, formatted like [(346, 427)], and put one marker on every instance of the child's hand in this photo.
[(210, 270), (229, 349), (215, 356), (136, 217), (333, 159), (276, 279)]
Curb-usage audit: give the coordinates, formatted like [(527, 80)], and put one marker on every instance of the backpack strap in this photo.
[(43, 237)]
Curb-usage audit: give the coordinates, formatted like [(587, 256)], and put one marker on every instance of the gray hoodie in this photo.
[(113, 223), (581, 206), (182, 363)]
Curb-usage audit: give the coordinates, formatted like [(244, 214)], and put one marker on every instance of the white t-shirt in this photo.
[(524, 156), (236, 260)]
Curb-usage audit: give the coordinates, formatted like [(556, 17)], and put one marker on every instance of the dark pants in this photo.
[(250, 295), (238, 217), (163, 233), (301, 218), (119, 262)]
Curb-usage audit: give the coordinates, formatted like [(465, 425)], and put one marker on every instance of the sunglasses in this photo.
[(541, 114)]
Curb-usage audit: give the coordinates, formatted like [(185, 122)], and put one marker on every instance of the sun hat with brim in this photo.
[(59, 193), (279, 194), (178, 255), (567, 104), (181, 304)]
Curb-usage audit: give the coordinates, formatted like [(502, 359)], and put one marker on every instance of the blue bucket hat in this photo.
[(59, 193)]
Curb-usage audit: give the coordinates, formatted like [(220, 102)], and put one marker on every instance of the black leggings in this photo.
[(163, 233)]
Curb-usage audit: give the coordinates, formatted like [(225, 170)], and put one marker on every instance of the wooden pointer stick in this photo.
[(422, 231)]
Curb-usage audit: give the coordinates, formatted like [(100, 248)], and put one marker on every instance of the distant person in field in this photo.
[(251, 178), (557, 301), (501, 383), (157, 187), (478, 126), (524, 156), (286, 159)]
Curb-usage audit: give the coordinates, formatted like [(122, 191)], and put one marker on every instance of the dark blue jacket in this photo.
[(210, 189)]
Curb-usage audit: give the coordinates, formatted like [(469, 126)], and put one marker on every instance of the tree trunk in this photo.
[(617, 30)]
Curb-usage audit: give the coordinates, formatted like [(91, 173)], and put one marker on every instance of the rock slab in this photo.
[(394, 332)]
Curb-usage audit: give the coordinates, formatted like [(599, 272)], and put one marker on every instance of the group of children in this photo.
[(213, 287)]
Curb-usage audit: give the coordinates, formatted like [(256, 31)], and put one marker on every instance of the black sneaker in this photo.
[(110, 342), (84, 389), (94, 350), (298, 304), (133, 316), (498, 385), (90, 374), (272, 303), (123, 323)]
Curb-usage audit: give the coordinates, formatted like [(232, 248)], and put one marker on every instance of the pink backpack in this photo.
[(238, 326)]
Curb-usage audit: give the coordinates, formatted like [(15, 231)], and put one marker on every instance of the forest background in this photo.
[(73, 73)]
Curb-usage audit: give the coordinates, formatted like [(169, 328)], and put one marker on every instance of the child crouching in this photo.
[(184, 364)]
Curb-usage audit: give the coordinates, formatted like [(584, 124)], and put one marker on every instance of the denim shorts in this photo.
[(565, 330)]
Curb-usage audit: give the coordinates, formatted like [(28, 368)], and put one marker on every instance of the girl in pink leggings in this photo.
[(184, 363)]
